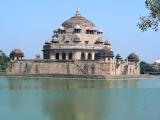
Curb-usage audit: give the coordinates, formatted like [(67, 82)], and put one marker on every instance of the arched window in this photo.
[(77, 30), (63, 56), (96, 56), (87, 31), (82, 56), (57, 56), (89, 56), (86, 42), (70, 56)]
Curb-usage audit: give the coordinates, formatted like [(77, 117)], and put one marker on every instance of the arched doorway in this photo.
[(89, 56), (57, 56), (63, 56), (82, 56), (70, 56)]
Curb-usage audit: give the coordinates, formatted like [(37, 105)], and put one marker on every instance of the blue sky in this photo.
[(27, 24)]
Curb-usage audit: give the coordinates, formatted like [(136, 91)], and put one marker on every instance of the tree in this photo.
[(3, 60), (153, 19), (146, 68)]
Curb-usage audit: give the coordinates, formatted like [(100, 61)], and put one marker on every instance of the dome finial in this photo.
[(78, 12)]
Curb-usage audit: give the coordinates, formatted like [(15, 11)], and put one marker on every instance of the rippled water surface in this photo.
[(56, 99)]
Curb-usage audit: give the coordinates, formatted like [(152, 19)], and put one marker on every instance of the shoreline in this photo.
[(81, 77)]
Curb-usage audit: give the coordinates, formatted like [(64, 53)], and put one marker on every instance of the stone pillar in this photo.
[(86, 56), (93, 55), (74, 56), (67, 56), (60, 56), (106, 59), (53, 56)]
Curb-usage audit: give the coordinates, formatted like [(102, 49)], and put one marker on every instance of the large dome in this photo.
[(77, 20)]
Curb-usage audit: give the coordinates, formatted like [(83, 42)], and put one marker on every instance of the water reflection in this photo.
[(56, 99), (67, 99), (58, 84), (75, 107)]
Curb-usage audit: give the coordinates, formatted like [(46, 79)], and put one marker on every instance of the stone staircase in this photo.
[(125, 70), (80, 68)]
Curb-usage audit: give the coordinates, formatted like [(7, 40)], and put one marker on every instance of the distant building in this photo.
[(77, 47), (157, 61), (157, 64)]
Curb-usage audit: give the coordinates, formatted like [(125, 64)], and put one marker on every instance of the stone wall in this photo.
[(71, 67)]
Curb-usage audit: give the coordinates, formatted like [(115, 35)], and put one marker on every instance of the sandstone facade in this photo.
[(77, 47), (25, 67)]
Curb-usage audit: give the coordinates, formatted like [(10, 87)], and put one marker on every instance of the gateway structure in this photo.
[(77, 47)]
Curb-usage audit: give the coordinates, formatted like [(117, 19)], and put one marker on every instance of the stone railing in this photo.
[(75, 46)]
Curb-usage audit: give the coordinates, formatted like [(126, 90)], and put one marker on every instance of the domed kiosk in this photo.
[(133, 58), (77, 47), (16, 54)]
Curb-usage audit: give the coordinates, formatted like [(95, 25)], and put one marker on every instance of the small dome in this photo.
[(118, 57), (106, 52), (77, 20), (99, 31), (107, 43), (47, 42), (133, 58), (77, 39), (16, 53), (56, 30), (61, 28), (38, 57), (99, 41), (77, 27), (94, 28), (55, 40), (66, 41)]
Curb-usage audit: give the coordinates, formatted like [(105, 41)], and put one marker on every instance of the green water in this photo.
[(55, 99)]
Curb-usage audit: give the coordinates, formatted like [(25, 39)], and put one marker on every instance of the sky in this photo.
[(27, 24)]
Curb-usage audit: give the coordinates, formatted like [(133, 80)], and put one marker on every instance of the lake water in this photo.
[(56, 99)]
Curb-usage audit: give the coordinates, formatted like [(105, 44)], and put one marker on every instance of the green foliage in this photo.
[(146, 67), (3, 61), (153, 19)]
